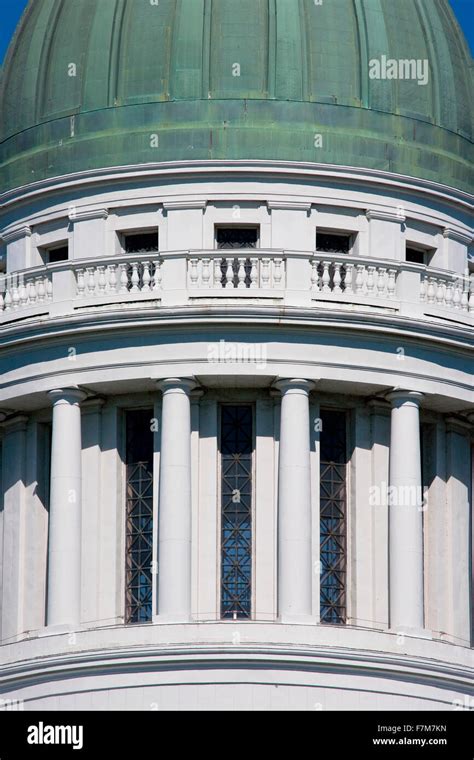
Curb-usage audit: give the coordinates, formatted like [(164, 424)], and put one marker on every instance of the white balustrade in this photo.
[(128, 278), (216, 271), (18, 291), (340, 279), (449, 291)]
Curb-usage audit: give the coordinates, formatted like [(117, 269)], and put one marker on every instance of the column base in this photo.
[(289, 619), (57, 630), (171, 619), (414, 633)]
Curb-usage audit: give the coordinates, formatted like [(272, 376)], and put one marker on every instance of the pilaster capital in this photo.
[(92, 405), (15, 423), (379, 405), (9, 236), (386, 216), (184, 205), (460, 237), (86, 215), (282, 205), (72, 395), (459, 425)]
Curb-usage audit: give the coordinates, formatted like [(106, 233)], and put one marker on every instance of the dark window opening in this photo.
[(333, 518), (236, 444), (55, 255), (139, 517), (328, 242), (416, 255), (141, 242), (237, 237)]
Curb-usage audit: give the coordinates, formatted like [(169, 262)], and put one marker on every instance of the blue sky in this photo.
[(11, 10)]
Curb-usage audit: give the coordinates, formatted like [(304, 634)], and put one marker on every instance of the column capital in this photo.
[(173, 384), (71, 395), (404, 396), (295, 385)]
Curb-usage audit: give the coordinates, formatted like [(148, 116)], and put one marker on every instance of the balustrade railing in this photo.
[(293, 277), (251, 270), (340, 278), (127, 277), (448, 291), (19, 291)]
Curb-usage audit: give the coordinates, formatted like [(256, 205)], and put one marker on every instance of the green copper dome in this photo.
[(89, 84)]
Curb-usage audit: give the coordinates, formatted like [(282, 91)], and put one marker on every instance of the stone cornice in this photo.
[(310, 171)]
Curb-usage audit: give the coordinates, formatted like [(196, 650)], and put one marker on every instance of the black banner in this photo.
[(91, 734)]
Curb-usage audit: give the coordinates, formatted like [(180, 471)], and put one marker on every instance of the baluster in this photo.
[(471, 294), (265, 273), (206, 273), (135, 278), (431, 290), (337, 278), (242, 274), (123, 278), (2, 301), (8, 294), (146, 277), (31, 291), (457, 294), (218, 273), (392, 283), (15, 293), (40, 289), (254, 273), (23, 292), (102, 281), (314, 275), (450, 295), (277, 273), (112, 278), (423, 288), (381, 282), (370, 281), (229, 275), (465, 292), (194, 272), (81, 283), (49, 289), (360, 279), (326, 279), (440, 293), (90, 281), (157, 277), (348, 279)]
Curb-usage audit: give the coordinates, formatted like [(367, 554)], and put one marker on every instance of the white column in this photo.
[(405, 513), (294, 503), (64, 549), (174, 509)]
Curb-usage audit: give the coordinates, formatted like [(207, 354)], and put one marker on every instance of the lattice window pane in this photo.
[(236, 511), (236, 237), (139, 518), (333, 538)]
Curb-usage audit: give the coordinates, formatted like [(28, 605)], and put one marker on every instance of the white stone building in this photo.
[(236, 327)]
